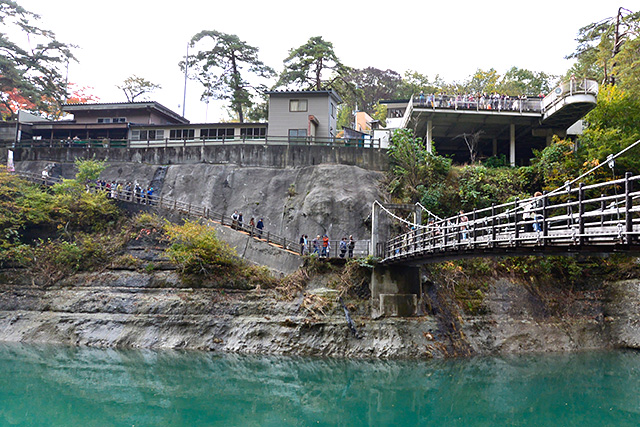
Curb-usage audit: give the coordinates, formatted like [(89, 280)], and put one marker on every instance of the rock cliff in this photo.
[(154, 310), (329, 198)]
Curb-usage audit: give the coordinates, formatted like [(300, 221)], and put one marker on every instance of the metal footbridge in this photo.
[(599, 219)]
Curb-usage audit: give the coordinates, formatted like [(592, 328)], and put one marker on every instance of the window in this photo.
[(118, 120), (297, 135), (217, 134), (297, 105), (104, 120), (147, 135), (253, 133), (181, 133)]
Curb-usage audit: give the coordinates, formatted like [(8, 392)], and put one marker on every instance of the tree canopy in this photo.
[(312, 66), (609, 48), (223, 68), (31, 64), (135, 86)]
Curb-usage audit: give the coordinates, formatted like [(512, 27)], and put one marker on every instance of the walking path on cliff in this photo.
[(198, 212)]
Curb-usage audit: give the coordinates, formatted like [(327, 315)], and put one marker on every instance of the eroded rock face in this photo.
[(132, 309), (520, 321), (155, 310), (332, 199), (327, 198)]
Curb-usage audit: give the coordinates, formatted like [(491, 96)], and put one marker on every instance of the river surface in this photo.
[(62, 386)]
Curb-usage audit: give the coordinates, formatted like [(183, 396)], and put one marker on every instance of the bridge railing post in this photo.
[(602, 210), (493, 224), (445, 234), (628, 205), (473, 228), (581, 214), (545, 224), (516, 231)]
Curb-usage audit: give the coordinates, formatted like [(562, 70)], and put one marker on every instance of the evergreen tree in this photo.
[(32, 64), (222, 69), (312, 66)]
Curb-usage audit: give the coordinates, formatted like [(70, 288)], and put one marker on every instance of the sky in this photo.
[(119, 38)]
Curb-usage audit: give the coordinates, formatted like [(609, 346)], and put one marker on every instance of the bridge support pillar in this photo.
[(395, 291), (512, 144), (429, 136)]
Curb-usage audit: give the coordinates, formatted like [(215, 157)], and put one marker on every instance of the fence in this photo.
[(168, 142)]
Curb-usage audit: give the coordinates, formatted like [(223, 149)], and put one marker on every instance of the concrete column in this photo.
[(429, 136), (495, 147), (512, 144), (375, 220), (395, 290)]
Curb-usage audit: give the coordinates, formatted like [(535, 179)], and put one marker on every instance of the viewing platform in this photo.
[(513, 126)]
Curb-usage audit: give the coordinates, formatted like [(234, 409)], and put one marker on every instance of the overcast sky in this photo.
[(119, 38)]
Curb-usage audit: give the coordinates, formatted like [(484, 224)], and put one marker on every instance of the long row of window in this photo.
[(205, 134)]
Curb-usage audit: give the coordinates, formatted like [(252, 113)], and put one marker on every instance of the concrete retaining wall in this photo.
[(275, 156)]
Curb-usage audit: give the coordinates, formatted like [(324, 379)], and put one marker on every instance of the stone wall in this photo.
[(269, 156)]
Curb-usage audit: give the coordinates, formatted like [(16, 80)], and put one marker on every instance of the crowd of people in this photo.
[(321, 246), (481, 101), (237, 223), (124, 191)]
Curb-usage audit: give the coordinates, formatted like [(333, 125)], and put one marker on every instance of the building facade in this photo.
[(303, 115)]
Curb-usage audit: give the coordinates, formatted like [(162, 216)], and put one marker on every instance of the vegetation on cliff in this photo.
[(55, 232)]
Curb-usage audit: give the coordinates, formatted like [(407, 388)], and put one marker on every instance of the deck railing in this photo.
[(527, 104), (188, 142)]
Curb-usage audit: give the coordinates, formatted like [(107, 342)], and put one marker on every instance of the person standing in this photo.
[(350, 246), (537, 212), (316, 244), (464, 221), (343, 247), (240, 220), (325, 246), (260, 226), (302, 244), (234, 220)]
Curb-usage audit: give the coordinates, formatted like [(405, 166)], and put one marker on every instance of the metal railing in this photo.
[(479, 103), (599, 217), (194, 211), (572, 87), (168, 142), (360, 250)]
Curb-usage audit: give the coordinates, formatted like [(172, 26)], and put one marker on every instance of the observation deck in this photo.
[(513, 126)]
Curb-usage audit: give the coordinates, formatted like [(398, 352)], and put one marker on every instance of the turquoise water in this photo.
[(60, 386)]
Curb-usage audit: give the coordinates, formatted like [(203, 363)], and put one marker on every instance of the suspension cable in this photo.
[(396, 217), (418, 204)]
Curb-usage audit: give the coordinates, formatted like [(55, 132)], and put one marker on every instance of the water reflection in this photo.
[(44, 385)]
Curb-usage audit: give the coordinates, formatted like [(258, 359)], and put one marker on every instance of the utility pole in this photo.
[(186, 68)]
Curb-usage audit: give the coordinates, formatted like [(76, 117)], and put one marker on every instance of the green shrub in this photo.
[(196, 250)]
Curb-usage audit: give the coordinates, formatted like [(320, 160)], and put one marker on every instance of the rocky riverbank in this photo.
[(121, 308)]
